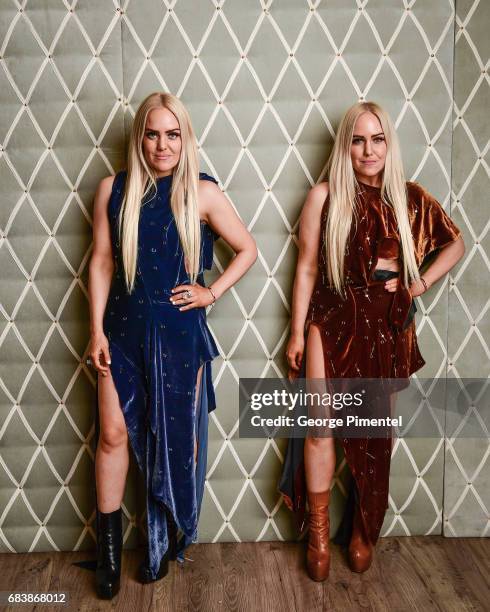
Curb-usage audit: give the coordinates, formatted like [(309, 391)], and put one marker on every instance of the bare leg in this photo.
[(112, 455), (319, 452), (319, 459)]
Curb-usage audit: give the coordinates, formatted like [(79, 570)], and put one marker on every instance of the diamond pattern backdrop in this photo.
[(266, 83), (467, 479)]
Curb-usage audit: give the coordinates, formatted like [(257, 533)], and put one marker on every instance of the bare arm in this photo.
[(218, 213), (445, 260), (306, 270), (101, 270)]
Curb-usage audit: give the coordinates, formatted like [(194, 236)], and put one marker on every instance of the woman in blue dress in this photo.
[(154, 227)]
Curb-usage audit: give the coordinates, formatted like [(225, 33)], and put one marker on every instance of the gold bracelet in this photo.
[(212, 293), (424, 282)]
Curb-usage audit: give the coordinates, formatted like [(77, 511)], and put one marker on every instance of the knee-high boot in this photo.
[(318, 553), (109, 548), (360, 547)]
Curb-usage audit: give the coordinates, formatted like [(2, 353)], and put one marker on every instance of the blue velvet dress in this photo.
[(156, 352)]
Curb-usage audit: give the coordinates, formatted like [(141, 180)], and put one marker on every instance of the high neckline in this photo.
[(369, 186), (162, 179)]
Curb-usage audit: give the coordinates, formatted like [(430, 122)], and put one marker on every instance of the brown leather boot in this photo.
[(360, 547), (318, 552)]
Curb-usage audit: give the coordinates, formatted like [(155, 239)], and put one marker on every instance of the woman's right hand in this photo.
[(294, 354), (99, 346)]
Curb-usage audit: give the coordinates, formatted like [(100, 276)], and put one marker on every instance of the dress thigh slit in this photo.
[(202, 405)]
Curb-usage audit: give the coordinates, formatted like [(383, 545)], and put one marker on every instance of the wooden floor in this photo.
[(415, 573)]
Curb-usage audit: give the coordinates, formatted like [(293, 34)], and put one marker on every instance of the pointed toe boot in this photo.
[(144, 572), (360, 547), (318, 552), (109, 549)]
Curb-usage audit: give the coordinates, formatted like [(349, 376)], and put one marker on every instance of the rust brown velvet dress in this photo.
[(366, 335)]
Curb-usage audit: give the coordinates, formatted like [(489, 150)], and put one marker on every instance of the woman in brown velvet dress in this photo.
[(363, 237)]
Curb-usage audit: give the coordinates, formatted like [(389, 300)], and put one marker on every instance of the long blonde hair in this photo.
[(343, 189), (141, 182)]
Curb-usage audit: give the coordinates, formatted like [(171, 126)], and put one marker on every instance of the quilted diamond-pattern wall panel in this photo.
[(266, 83), (61, 130), (466, 477)]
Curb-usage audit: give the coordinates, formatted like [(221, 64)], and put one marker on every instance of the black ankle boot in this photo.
[(109, 546), (144, 574)]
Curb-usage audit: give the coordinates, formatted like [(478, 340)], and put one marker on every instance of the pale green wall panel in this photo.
[(266, 87), (466, 475)]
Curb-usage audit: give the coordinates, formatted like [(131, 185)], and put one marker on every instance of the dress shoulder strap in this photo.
[(117, 192), (119, 181), (207, 177), (208, 235)]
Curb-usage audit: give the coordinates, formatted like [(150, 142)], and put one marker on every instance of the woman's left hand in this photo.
[(417, 288), (191, 296), (392, 284)]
